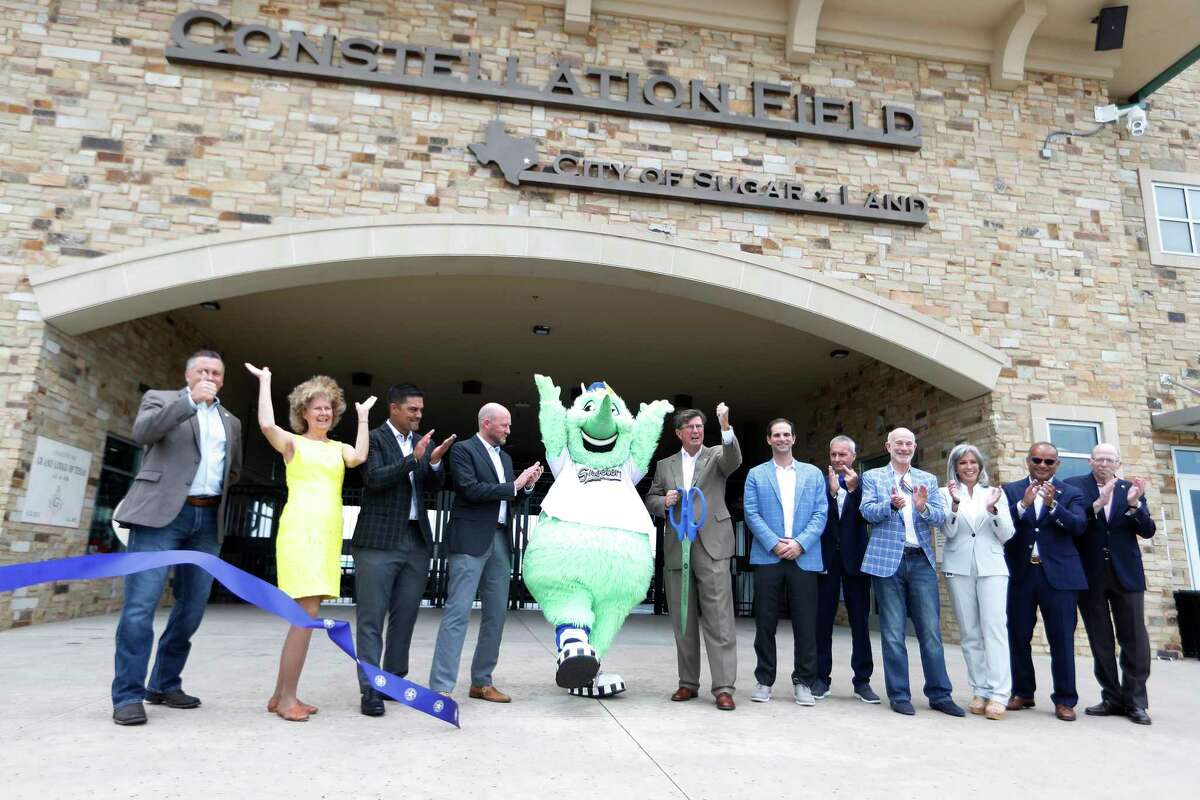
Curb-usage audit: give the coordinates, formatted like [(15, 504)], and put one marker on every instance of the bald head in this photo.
[(494, 423), (901, 445)]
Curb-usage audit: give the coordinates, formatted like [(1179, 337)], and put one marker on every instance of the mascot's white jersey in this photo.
[(603, 498)]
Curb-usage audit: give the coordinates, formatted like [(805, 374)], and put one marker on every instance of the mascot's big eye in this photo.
[(588, 406), (616, 411)]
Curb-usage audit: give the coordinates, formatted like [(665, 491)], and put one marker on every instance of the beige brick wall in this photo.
[(105, 147)]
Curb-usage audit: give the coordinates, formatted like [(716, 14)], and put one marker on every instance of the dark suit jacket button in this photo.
[(972, 536)]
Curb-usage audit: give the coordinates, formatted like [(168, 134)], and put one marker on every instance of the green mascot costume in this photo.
[(588, 562)]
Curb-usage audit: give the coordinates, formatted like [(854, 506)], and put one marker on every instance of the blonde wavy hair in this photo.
[(305, 393)]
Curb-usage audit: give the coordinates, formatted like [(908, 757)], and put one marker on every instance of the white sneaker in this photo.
[(804, 695), (761, 694)]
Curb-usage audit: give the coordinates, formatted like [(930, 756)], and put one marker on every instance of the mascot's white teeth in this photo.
[(598, 442)]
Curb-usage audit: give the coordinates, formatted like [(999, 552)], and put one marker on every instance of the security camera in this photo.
[(1135, 121)]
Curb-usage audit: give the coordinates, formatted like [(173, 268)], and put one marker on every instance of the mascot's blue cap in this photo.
[(597, 385)]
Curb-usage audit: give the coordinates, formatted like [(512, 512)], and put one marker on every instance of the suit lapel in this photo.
[(701, 462), (194, 421), (1120, 501), (773, 479)]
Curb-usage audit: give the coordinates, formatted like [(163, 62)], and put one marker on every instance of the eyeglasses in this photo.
[(1106, 460), (1049, 462), (692, 428)]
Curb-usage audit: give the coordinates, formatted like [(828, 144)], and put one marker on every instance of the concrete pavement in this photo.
[(59, 741)]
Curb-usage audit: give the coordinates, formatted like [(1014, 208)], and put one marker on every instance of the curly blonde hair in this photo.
[(305, 393)]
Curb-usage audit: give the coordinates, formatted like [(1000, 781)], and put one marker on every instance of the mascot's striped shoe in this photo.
[(602, 686), (577, 659)]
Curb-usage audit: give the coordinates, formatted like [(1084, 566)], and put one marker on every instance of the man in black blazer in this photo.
[(842, 546), (1117, 514), (392, 538), (478, 541), (1044, 573)]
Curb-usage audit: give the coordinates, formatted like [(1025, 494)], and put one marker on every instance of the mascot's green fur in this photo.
[(588, 562)]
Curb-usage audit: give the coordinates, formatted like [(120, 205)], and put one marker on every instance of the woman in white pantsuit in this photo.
[(978, 523)]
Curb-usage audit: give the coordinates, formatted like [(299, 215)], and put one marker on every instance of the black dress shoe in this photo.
[(1104, 709), (175, 699), (371, 704), (131, 714), (1138, 716)]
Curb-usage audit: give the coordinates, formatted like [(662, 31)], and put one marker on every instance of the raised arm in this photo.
[(277, 437), (731, 452), (552, 417), (156, 417), (353, 456), (647, 428)]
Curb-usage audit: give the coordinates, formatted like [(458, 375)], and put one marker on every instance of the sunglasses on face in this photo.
[(1049, 462)]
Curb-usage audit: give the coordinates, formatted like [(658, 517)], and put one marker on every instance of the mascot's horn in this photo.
[(601, 423)]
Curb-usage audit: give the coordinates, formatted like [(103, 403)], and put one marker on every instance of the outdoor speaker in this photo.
[(1110, 28), (472, 387)]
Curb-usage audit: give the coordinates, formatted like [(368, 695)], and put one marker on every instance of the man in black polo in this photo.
[(392, 538)]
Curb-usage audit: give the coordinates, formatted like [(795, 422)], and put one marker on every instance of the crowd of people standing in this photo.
[(1038, 545)]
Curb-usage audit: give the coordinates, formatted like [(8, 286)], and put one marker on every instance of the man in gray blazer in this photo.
[(193, 454), (706, 468)]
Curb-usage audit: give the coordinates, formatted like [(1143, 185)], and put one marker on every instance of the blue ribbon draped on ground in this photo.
[(246, 586)]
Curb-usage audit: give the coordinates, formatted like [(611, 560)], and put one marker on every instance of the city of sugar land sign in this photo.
[(518, 162), (775, 109)]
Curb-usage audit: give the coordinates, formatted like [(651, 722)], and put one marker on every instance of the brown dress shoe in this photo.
[(725, 702), (489, 693), (683, 693), (1065, 713), (1017, 703)]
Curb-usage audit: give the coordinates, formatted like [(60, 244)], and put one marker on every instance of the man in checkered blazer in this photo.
[(902, 506)]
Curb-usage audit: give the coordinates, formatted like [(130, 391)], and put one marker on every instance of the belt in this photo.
[(1035, 559), (204, 501), (912, 551)]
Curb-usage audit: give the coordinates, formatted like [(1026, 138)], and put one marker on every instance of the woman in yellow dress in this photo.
[(308, 548)]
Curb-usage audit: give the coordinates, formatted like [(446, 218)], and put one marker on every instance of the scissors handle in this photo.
[(681, 517)]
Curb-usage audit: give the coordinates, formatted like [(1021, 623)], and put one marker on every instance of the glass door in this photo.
[(1187, 479)]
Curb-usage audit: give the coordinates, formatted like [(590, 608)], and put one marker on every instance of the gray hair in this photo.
[(844, 440), (199, 354), (957, 455)]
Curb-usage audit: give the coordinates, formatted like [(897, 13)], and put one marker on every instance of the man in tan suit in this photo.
[(711, 588)]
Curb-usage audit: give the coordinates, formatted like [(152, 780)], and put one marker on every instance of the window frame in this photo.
[(1078, 423), (1103, 417), (1148, 179), (1185, 483)]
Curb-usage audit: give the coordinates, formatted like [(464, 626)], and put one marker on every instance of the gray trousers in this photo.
[(489, 575), (710, 607), (981, 605), (388, 586)]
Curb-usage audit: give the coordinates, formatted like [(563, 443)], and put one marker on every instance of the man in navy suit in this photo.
[(478, 540), (1044, 573), (842, 546), (1117, 514)]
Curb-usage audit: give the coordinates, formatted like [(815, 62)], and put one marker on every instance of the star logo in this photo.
[(510, 154)]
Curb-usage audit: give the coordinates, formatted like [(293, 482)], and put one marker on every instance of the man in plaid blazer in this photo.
[(392, 538), (901, 505)]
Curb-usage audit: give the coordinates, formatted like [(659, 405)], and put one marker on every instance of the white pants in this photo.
[(980, 603)]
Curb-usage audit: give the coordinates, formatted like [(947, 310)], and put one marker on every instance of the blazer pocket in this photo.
[(721, 516), (150, 475)]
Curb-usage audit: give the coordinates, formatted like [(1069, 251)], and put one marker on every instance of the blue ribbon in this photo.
[(246, 586)]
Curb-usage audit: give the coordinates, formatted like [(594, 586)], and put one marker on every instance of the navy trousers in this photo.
[(855, 590), (1026, 597)]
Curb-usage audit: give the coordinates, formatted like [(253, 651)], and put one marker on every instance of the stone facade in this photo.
[(105, 147)]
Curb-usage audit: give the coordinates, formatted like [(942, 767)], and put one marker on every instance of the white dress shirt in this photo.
[(1038, 505), (210, 475), (786, 476), (405, 440), (494, 452), (688, 463)]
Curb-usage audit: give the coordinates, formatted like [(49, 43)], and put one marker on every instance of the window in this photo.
[(1074, 430), (122, 458), (1074, 441), (1171, 204)]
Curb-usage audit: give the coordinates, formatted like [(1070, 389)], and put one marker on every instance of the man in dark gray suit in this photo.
[(392, 538), (478, 540), (193, 454)]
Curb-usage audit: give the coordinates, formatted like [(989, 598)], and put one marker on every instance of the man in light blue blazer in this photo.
[(901, 504), (785, 509)]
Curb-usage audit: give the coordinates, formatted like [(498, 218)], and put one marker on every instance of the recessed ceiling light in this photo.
[(839, 353), (211, 305), (541, 330)]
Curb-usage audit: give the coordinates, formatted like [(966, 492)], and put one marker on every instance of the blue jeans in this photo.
[(489, 575), (194, 529), (913, 592)]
